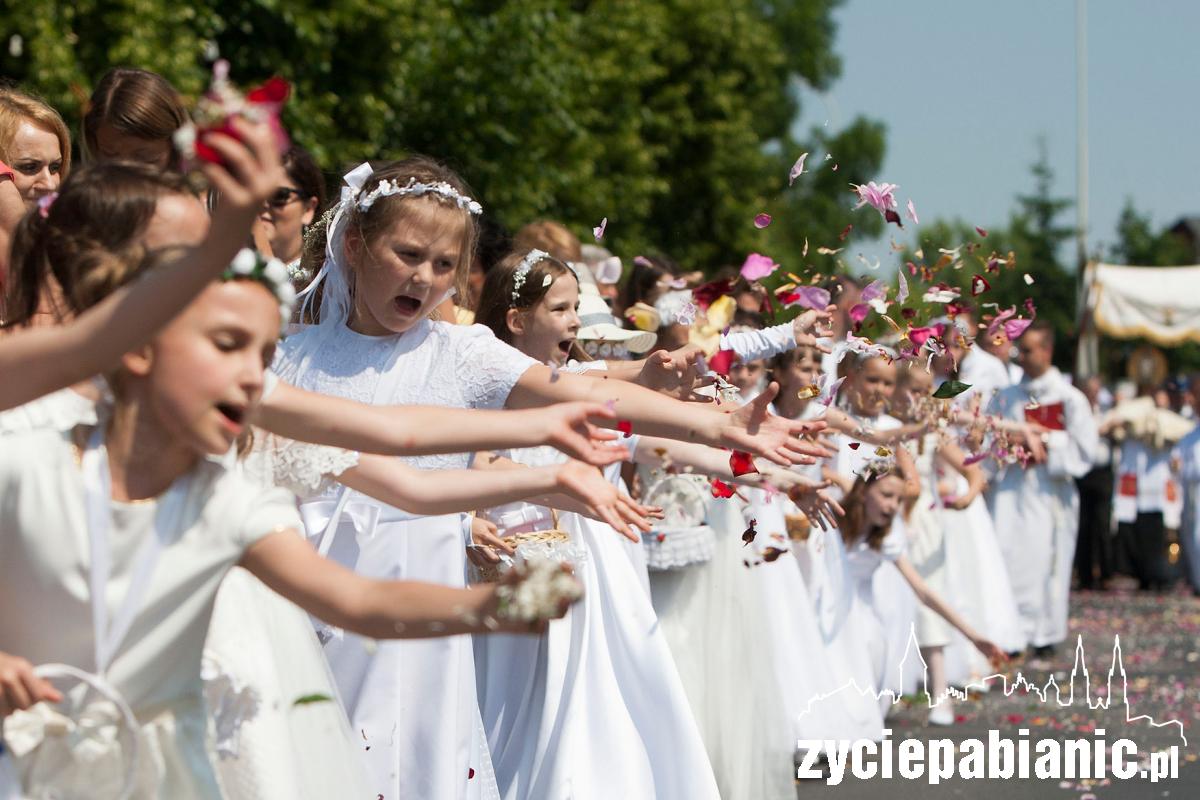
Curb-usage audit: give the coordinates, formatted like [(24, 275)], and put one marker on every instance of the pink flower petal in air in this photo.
[(1030, 309), (912, 212), (859, 312), (809, 297), (902, 294), (999, 321), (598, 231), (918, 336), (797, 169), (979, 285), (881, 197), (1015, 327), (873, 290), (829, 393), (981, 231), (757, 267), (762, 220)]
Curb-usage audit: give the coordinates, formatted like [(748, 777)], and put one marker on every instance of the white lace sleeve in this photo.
[(302, 468), (487, 368)]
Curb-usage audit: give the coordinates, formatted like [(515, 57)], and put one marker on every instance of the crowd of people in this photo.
[(367, 498)]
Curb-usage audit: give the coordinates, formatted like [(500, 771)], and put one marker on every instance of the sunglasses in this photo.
[(283, 196)]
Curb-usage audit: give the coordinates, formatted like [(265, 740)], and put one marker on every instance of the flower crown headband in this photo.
[(522, 272), (250, 265)]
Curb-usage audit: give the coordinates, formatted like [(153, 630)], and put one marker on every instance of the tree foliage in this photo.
[(1035, 236), (671, 119)]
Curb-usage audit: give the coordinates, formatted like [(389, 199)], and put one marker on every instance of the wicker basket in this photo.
[(548, 539)]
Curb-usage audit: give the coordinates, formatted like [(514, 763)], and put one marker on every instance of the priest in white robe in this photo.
[(1036, 509)]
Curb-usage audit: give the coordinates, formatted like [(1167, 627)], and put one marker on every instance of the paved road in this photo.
[(1160, 645)]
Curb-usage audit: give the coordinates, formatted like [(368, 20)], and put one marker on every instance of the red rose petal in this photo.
[(722, 361), (741, 463), (721, 489), (625, 427)]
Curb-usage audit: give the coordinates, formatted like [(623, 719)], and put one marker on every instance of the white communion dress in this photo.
[(413, 702), (593, 708), (45, 572), (720, 630)]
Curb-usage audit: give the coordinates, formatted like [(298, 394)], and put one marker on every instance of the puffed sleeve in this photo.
[(266, 511)]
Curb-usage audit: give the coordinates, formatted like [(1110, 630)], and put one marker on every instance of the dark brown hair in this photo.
[(855, 504), (495, 299), (85, 246), (646, 273), (302, 168), (135, 102)]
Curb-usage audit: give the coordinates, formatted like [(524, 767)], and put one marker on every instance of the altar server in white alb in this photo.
[(1036, 509)]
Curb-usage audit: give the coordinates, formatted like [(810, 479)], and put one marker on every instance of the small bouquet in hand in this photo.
[(221, 103), (541, 592)]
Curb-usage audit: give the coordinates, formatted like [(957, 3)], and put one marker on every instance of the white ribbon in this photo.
[(335, 301), (326, 516)]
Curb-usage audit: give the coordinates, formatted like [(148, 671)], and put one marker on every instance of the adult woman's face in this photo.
[(36, 160), (284, 216)]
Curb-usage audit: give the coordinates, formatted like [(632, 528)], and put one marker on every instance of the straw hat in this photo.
[(599, 324)]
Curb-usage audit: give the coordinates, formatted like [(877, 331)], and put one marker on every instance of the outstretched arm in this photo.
[(750, 428), (434, 492), (52, 358), (935, 602), (378, 609), (425, 430)]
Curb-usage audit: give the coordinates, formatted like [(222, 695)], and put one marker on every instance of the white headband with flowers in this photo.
[(527, 263), (273, 274)]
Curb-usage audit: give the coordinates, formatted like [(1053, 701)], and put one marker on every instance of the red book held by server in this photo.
[(1048, 415)]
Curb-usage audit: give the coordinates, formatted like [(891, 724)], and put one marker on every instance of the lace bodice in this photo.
[(434, 363)]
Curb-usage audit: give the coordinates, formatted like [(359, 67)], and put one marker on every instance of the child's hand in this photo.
[(753, 429), (812, 325), (677, 374), (20, 688), (991, 651), (570, 429), (486, 536), (250, 172), (605, 501)]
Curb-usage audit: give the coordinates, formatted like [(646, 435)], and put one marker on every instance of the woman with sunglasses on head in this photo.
[(279, 229)]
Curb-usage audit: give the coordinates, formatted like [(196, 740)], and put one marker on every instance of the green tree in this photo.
[(1139, 244), (1035, 237), (671, 119)]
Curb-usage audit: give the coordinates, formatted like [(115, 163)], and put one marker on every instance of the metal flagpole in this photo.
[(1087, 361)]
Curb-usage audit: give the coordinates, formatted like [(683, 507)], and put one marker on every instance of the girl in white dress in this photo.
[(52, 358), (179, 520), (267, 748), (928, 539), (394, 247), (871, 503), (820, 707)]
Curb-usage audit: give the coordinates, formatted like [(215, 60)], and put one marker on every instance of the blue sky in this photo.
[(966, 88)]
